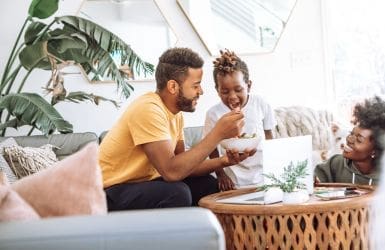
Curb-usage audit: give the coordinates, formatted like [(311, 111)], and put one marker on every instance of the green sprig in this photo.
[(290, 179)]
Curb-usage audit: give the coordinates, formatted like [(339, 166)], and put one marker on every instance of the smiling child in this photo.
[(233, 85)]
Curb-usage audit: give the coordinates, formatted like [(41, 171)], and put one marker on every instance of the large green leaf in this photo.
[(43, 8), (80, 96), (107, 41), (33, 31), (31, 55), (34, 110), (107, 66), (64, 43), (13, 123)]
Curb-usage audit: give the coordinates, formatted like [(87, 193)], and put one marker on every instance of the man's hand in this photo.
[(230, 125), (234, 157)]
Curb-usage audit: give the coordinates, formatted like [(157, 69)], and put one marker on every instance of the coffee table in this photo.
[(316, 224)]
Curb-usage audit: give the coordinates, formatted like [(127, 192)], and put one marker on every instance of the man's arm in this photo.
[(175, 167)]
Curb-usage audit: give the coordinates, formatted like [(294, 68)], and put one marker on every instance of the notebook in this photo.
[(278, 153)]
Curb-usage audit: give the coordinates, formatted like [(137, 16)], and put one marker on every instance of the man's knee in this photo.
[(176, 195)]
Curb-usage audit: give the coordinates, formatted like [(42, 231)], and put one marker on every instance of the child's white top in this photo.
[(259, 116)]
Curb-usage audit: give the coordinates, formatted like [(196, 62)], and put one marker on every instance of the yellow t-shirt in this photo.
[(121, 156)]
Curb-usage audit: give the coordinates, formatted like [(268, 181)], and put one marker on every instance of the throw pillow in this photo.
[(4, 166), (73, 186), (25, 161), (12, 206)]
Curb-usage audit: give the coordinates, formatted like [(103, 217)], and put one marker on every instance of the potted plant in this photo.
[(291, 182), (67, 40)]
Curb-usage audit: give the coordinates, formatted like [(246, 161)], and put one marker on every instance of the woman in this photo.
[(360, 157)]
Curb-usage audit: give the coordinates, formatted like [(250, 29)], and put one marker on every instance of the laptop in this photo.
[(276, 155), (279, 153)]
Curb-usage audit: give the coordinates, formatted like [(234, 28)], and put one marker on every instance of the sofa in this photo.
[(174, 228)]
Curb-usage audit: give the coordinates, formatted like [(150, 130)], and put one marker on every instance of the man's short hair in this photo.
[(174, 64)]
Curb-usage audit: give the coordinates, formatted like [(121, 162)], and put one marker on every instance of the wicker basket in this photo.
[(336, 224)]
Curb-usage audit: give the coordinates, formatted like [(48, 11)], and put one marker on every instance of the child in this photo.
[(360, 157), (232, 83)]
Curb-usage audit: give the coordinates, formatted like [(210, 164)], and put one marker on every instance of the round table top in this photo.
[(313, 205)]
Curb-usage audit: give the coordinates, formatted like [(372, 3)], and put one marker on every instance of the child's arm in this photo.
[(224, 182)]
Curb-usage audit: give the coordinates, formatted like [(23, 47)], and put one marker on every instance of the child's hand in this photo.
[(224, 182)]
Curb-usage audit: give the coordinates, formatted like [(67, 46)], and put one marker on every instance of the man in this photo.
[(142, 157)]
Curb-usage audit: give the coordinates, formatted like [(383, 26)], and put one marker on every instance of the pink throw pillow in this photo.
[(12, 206), (72, 186)]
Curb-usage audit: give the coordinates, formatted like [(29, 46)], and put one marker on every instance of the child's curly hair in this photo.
[(371, 115), (228, 63)]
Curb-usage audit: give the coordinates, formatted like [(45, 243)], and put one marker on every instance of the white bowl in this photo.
[(241, 143)]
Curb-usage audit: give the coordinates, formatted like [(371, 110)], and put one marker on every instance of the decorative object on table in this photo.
[(67, 40), (336, 193), (291, 183)]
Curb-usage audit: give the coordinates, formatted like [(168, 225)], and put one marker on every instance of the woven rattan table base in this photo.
[(334, 230), (341, 224)]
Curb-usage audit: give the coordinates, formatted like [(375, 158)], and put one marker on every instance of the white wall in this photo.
[(292, 75)]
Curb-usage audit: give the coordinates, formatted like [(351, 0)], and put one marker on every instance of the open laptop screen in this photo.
[(279, 153)]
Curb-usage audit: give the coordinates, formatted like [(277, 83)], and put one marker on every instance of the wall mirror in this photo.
[(245, 26), (139, 23)]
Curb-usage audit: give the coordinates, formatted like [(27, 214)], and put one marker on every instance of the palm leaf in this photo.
[(107, 41), (43, 8), (33, 31), (13, 123), (107, 66), (31, 55), (80, 96), (34, 110)]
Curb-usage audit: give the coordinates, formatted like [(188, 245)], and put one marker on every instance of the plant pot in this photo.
[(296, 197)]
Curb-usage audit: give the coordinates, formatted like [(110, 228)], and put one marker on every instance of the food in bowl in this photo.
[(246, 136), (241, 143)]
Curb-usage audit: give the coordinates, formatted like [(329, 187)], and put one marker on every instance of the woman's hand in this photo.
[(316, 181)]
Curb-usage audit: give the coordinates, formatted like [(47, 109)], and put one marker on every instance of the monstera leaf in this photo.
[(31, 108)]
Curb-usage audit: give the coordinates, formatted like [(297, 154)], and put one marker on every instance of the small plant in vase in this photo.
[(291, 182)]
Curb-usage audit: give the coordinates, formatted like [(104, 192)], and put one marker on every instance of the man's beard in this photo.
[(185, 104)]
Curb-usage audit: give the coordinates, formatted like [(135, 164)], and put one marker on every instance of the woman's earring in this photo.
[(373, 155)]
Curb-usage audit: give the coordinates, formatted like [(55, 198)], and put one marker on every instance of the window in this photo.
[(356, 51)]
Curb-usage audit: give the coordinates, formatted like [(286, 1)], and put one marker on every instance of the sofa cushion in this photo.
[(12, 206), (67, 144), (300, 120), (25, 161), (72, 186), (4, 166), (192, 136)]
